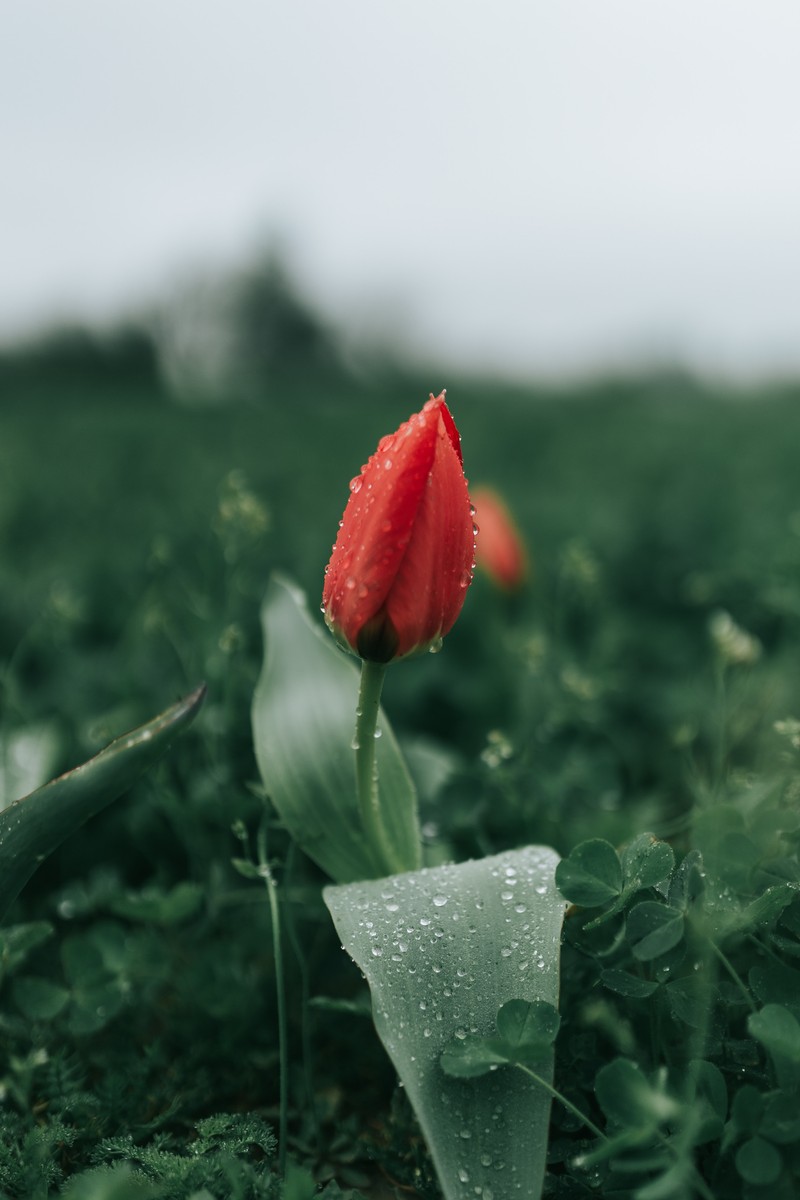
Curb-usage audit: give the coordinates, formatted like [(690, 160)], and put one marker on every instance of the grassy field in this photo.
[(137, 539)]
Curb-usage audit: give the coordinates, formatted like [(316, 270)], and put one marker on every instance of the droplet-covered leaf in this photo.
[(442, 949), (646, 862)]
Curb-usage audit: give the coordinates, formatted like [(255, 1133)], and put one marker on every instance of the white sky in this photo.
[(536, 186)]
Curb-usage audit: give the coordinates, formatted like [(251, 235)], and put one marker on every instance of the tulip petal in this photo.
[(402, 561), (431, 582)]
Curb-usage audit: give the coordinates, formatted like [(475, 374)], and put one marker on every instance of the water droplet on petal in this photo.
[(355, 484)]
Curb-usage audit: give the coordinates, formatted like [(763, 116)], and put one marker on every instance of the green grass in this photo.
[(137, 539)]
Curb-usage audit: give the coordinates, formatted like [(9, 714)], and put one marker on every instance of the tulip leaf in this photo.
[(443, 949), (304, 715), (34, 826)]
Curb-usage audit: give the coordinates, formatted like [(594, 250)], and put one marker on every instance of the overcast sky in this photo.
[(538, 186)]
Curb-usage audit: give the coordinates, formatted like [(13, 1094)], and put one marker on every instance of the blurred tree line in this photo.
[(232, 335)]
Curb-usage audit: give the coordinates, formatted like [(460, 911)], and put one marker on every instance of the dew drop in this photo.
[(355, 484), (376, 952), (463, 1175), (424, 920), (439, 900)]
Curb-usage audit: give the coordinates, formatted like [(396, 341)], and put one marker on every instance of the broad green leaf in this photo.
[(629, 1100), (17, 942), (442, 949), (646, 862), (781, 1120), (304, 713), (757, 1161), (33, 827), (527, 1027), (709, 1082), (39, 999), (592, 875), (625, 984), (684, 997), (775, 983), (653, 929), (779, 1032), (159, 907)]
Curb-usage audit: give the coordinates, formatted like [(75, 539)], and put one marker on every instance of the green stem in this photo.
[(369, 703), (734, 974), (721, 749), (305, 996), (280, 996), (576, 1112)]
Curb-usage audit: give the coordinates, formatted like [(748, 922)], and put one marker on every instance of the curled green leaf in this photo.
[(33, 827)]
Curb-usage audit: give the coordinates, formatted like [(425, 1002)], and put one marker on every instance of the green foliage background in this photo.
[(136, 540)]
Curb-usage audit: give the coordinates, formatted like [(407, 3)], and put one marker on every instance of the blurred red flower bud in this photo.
[(404, 556), (501, 550)]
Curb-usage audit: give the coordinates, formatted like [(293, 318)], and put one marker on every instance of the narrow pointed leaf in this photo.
[(442, 949), (33, 827), (304, 714)]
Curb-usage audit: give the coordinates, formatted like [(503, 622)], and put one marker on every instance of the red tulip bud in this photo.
[(501, 549), (403, 559)]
